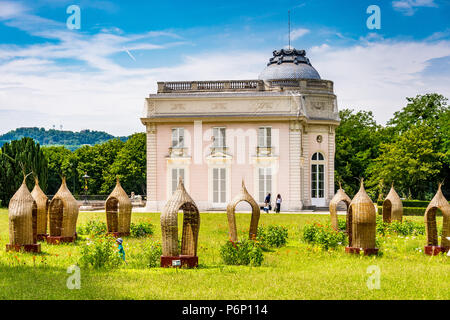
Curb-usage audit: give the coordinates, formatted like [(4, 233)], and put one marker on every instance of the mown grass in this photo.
[(297, 271)]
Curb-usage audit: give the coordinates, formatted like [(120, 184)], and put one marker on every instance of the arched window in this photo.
[(317, 156), (318, 179)]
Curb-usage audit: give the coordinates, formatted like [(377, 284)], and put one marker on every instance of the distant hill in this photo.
[(71, 140)]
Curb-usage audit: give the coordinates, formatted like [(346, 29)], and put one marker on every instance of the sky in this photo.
[(97, 77)]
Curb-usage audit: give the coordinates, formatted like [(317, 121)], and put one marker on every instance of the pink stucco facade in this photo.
[(277, 134), (241, 156)]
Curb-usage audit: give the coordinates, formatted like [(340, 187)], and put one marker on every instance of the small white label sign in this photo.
[(176, 263)]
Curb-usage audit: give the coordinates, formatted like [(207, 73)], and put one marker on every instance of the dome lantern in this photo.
[(289, 64)]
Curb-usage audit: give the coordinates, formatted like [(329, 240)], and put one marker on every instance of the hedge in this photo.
[(411, 211), (410, 203)]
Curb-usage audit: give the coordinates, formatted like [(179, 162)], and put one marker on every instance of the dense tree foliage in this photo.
[(357, 143), (412, 150), (129, 165), (71, 140), (103, 163), (16, 159)]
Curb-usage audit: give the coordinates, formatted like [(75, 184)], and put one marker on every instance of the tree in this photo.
[(430, 110), (15, 155), (357, 139), (96, 161), (426, 109), (411, 162), (61, 163), (129, 166)]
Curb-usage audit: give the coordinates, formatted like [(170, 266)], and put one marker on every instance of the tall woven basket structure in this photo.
[(340, 196), (23, 221), (63, 215), (256, 211), (392, 207), (180, 200), (438, 202), (42, 210), (363, 217), (118, 212)]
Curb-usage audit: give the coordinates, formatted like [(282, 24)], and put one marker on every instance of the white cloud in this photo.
[(299, 32), (9, 9), (98, 93), (379, 75), (409, 7)]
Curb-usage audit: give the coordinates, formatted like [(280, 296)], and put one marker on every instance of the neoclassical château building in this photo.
[(277, 133)]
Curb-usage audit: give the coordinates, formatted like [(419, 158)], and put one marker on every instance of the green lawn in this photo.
[(297, 271)]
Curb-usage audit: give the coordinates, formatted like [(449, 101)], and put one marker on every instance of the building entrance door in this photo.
[(317, 180)]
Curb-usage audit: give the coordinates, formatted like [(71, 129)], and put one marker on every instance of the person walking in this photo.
[(267, 206), (278, 202)]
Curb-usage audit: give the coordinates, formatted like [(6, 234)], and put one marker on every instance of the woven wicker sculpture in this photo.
[(340, 196), (118, 212), (42, 210), (438, 202), (363, 217), (63, 215), (256, 211), (23, 221), (180, 200), (392, 207)]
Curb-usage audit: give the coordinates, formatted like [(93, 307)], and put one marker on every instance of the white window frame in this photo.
[(174, 179), (221, 191), (267, 172), (178, 137), (318, 200), (219, 140), (265, 137)]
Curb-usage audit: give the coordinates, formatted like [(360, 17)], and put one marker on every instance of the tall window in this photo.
[(178, 138), (218, 137), (219, 185), (317, 176), (176, 174), (265, 183), (265, 137)]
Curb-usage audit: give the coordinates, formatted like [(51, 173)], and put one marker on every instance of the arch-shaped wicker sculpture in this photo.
[(118, 212), (340, 196), (63, 215), (42, 210), (256, 211), (180, 200), (363, 217), (438, 202), (23, 221), (392, 207)]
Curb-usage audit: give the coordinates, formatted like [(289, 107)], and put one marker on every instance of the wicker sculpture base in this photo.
[(367, 251), (42, 237), (435, 250), (58, 239), (24, 247), (119, 234), (186, 261)]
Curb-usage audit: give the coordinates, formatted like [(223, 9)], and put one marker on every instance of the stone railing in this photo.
[(264, 151), (227, 85), (244, 85), (312, 84)]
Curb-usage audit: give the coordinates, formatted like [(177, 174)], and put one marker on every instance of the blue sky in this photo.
[(97, 77)]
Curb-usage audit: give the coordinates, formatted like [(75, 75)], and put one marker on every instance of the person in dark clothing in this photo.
[(267, 203), (278, 203)]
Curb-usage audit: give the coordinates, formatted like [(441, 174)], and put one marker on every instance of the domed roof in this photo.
[(289, 64)]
